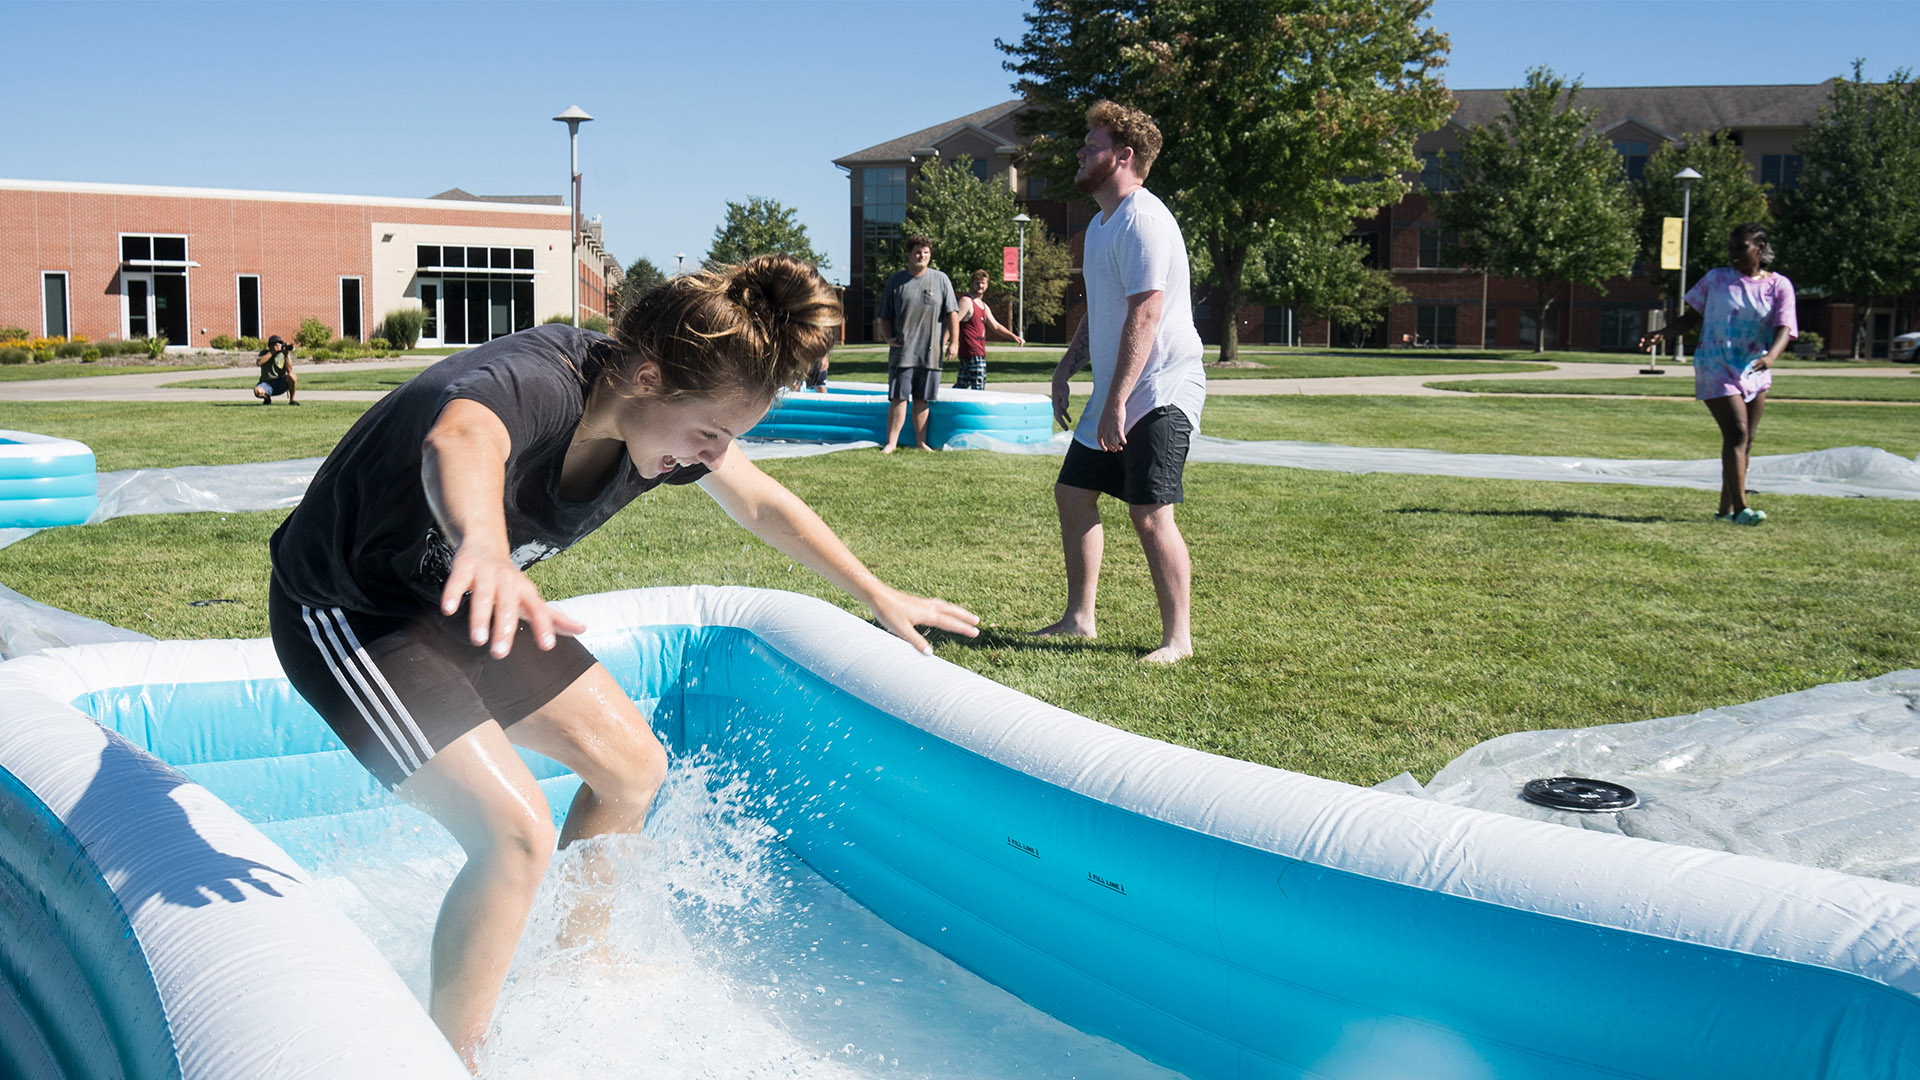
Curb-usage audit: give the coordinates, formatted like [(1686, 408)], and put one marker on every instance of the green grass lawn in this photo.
[(1036, 364), (1597, 427), (1803, 387), (1347, 626), (317, 379), (41, 372)]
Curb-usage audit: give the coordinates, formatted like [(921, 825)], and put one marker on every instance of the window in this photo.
[(1431, 176), (1530, 330), (1036, 187), (350, 308), (426, 256), (1434, 324), (53, 289), (982, 170), (170, 251), (1780, 171), (1370, 243), (884, 195), (1438, 249), (1633, 158), (1620, 327), (249, 290)]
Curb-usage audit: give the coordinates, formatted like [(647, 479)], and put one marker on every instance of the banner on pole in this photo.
[(1670, 243), (1010, 257)]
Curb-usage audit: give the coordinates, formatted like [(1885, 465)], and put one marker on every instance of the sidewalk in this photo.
[(153, 386)]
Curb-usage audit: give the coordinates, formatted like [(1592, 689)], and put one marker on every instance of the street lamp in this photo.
[(1021, 220), (573, 118), (679, 263), (1686, 178)]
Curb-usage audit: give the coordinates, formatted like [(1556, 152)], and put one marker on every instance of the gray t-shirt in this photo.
[(917, 307)]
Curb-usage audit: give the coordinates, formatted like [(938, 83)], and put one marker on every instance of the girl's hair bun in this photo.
[(758, 327)]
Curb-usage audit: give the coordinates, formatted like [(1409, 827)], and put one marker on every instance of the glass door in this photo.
[(136, 305), (430, 303), (170, 308)]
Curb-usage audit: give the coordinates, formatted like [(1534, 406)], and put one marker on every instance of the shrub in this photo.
[(14, 354), (155, 346), (89, 356), (558, 318), (252, 345), (595, 323), (379, 344), (1815, 344), (42, 356), (313, 334), (70, 350), (224, 343), (402, 327), (13, 333)]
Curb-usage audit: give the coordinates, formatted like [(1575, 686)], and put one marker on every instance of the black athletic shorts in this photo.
[(398, 690), (1145, 472), (916, 383)]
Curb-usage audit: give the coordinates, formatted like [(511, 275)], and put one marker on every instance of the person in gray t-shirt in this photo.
[(917, 308)]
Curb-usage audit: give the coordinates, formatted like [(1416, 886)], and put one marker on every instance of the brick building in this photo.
[(1447, 305), (192, 264)]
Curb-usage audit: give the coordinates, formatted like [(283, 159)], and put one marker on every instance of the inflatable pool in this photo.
[(856, 412), (1223, 918), (44, 481)]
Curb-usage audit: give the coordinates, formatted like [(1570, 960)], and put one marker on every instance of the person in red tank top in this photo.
[(976, 322)]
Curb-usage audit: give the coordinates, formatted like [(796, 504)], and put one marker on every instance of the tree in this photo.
[(1280, 117), (1049, 267), (761, 226), (1851, 226), (1540, 198), (641, 278), (1322, 276), (1726, 195), (969, 220)]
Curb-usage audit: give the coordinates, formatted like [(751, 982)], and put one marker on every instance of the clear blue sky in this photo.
[(696, 103)]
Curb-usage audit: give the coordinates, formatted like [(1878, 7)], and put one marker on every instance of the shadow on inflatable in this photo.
[(1222, 918)]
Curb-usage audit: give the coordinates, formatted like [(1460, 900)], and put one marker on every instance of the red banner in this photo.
[(1011, 257)]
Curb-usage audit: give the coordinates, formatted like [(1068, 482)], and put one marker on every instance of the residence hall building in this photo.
[(1447, 305), (191, 264)]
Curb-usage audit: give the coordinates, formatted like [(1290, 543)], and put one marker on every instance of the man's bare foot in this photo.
[(888, 449), (1066, 628), (1168, 654), (924, 446)]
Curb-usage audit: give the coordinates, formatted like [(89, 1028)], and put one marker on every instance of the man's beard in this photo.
[(1097, 178)]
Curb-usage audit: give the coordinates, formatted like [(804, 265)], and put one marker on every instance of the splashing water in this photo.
[(720, 956)]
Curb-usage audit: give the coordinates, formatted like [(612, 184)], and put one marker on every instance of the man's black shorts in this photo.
[(398, 690), (913, 383), (1147, 471)]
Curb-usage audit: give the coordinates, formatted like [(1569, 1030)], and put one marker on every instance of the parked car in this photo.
[(1906, 348)]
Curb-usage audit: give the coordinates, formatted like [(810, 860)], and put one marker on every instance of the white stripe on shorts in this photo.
[(367, 687)]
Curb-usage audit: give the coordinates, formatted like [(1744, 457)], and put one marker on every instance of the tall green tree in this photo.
[(1280, 117), (1322, 276), (1049, 267), (641, 278), (1851, 228), (761, 226), (1726, 195), (1540, 197)]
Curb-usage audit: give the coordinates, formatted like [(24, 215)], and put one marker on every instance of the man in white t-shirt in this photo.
[(1148, 380)]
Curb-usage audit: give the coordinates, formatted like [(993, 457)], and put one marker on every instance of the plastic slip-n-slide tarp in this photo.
[(1224, 918)]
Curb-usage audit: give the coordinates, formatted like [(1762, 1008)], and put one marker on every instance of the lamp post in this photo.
[(573, 118), (679, 263), (1021, 220), (1686, 178)]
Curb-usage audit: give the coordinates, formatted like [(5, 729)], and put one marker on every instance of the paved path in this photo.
[(152, 386)]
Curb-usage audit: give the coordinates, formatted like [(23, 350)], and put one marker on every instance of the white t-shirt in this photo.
[(1139, 249)]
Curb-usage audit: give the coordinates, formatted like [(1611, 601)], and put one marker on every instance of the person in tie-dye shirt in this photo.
[(1745, 316)]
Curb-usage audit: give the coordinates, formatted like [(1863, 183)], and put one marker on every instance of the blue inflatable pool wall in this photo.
[(44, 481), (1226, 919)]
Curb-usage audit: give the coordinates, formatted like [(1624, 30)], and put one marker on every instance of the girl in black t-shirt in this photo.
[(399, 589)]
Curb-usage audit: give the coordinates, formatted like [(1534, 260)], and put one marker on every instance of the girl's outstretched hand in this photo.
[(900, 612), (499, 596)]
